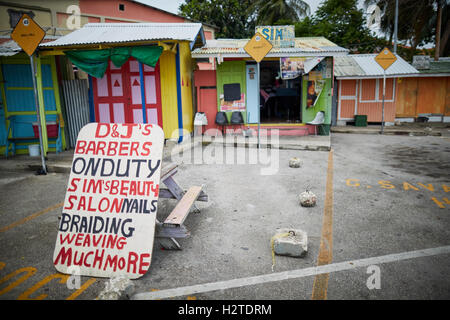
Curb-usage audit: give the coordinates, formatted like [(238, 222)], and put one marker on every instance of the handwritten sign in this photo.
[(279, 36), (108, 220)]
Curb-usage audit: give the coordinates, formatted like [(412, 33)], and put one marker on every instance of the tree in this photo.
[(417, 21), (230, 16), (268, 12), (341, 22)]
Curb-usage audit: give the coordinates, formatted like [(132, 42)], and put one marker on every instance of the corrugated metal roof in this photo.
[(111, 33), (9, 47), (364, 65), (442, 66), (313, 46)]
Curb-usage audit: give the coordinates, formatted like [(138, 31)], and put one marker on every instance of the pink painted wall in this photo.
[(205, 83), (133, 10)]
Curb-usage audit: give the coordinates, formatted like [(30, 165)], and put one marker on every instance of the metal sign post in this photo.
[(259, 100), (28, 34), (257, 48), (385, 59), (382, 104), (36, 102)]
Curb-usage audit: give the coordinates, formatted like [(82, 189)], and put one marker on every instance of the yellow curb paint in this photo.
[(26, 295), (29, 271), (85, 285), (320, 286)]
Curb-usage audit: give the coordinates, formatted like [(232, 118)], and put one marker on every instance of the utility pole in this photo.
[(395, 26), (438, 31)]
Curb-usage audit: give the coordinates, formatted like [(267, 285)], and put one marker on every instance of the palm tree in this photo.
[(268, 12)]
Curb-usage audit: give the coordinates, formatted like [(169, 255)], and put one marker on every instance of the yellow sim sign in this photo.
[(27, 34), (258, 47)]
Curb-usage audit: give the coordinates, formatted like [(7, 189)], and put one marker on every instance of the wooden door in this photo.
[(117, 96), (348, 90), (406, 101), (152, 93)]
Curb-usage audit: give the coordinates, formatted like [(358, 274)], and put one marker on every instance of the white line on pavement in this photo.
[(291, 274)]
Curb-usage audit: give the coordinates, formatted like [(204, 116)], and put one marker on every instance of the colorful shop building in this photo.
[(296, 81), (138, 73), (360, 88), (18, 114)]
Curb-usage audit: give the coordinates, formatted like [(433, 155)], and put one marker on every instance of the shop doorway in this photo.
[(280, 99), (117, 96)]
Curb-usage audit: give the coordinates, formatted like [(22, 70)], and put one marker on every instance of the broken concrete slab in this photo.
[(290, 242), (118, 288)]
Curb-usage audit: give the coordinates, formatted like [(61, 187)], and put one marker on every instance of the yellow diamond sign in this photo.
[(385, 58), (27, 34), (258, 47)]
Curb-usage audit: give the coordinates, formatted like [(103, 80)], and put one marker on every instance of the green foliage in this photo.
[(272, 12), (230, 16), (341, 22)]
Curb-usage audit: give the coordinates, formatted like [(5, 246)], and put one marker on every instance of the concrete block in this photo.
[(307, 199), (295, 162), (118, 288), (290, 242)]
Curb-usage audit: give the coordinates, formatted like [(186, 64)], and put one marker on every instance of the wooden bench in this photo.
[(172, 227), (13, 139)]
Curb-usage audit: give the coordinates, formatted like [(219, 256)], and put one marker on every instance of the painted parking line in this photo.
[(30, 217), (36, 291), (320, 285), (292, 274)]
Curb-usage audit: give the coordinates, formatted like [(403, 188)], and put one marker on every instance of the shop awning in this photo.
[(303, 47), (358, 66), (95, 62), (96, 35), (91, 47), (9, 47)]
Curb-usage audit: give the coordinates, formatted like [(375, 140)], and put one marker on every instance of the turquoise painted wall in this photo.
[(18, 89)]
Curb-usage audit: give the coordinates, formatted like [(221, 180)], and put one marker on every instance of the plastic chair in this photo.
[(318, 120), (221, 119)]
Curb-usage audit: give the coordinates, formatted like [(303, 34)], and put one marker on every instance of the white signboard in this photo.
[(108, 219)]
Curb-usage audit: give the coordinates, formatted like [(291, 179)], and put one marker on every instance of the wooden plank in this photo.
[(431, 95), (168, 232), (166, 194), (181, 211), (168, 170), (406, 100)]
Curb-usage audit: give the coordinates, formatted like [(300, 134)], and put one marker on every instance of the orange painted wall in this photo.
[(368, 99), (348, 88), (447, 99), (423, 95), (133, 10), (347, 108), (431, 95), (373, 110), (406, 97)]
